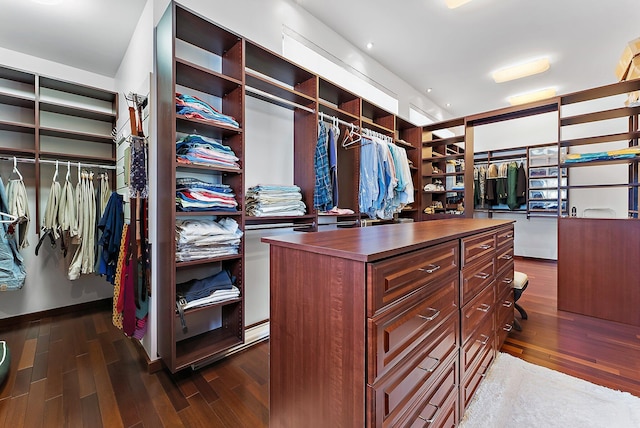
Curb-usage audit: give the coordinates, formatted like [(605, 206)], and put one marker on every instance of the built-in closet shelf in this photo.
[(370, 124), (17, 100), (17, 152), (17, 75), (73, 135), (200, 347), (600, 139), (599, 162), (76, 111), (274, 66), (601, 186), (444, 141), (446, 174), (443, 158), (601, 92), (208, 307), (600, 115), (204, 80), (250, 220), (198, 31), (203, 168), (330, 109), (435, 192), (204, 127), (208, 213), (208, 261), (335, 95), (404, 145), (17, 127), (255, 81), (76, 89), (76, 157)]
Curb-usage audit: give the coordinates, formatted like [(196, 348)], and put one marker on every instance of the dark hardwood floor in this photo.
[(78, 370)]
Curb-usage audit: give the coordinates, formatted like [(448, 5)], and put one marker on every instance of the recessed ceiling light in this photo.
[(369, 45), (529, 97), (519, 71), (452, 4), (429, 90), (448, 104)]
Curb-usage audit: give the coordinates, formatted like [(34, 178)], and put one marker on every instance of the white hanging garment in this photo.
[(50, 220), (84, 258), (67, 206), (105, 194), (19, 207)]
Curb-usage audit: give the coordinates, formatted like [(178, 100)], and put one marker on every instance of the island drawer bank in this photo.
[(368, 325)]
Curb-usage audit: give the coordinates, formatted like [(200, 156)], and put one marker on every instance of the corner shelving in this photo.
[(197, 57)]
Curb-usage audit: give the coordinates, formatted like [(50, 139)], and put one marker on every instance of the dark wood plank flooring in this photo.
[(78, 370)]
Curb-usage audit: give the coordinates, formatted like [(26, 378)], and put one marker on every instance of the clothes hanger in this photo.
[(351, 138), (55, 175), (15, 168)]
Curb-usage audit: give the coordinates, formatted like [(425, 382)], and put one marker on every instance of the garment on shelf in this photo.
[(12, 270), (274, 200), (385, 178), (110, 226), (84, 258), (198, 150), (200, 292), (203, 238), (322, 192), (627, 153), (19, 207), (193, 194), (194, 108)]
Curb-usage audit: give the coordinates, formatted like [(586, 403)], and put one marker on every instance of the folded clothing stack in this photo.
[(194, 108), (204, 239), (274, 200), (193, 194), (198, 150), (202, 292)]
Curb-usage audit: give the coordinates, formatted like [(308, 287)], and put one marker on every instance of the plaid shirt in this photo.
[(322, 199)]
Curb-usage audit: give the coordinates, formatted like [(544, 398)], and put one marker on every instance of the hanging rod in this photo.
[(260, 93), (52, 162), (331, 119)]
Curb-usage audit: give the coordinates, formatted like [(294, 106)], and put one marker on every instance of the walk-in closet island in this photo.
[(378, 326)]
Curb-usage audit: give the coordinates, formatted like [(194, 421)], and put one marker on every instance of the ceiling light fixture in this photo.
[(529, 97), (519, 71), (452, 4), (369, 45), (429, 90)]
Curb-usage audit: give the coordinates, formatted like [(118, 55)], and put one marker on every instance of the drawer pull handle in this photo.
[(485, 246), (433, 417), (432, 269), (507, 280), (507, 327), (507, 303), (485, 341), (484, 307), (484, 372), (482, 275), (510, 235), (432, 317), (507, 257), (432, 368)]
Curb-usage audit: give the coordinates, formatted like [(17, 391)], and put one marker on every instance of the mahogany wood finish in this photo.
[(397, 286), (234, 392), (598, 268), (599, 351)]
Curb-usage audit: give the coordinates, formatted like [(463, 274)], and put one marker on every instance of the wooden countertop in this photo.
[(369, 244)]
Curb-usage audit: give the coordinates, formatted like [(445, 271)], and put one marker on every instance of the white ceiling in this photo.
[(455, 51), (90, 35), (426, 44)]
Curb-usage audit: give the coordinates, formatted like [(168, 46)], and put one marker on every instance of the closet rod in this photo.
[(260, 93), (331, 119), (52, 162)]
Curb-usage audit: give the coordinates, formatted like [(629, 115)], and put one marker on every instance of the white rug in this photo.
[(521, 395)]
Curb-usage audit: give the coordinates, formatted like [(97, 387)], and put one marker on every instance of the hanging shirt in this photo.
[(322, 198)]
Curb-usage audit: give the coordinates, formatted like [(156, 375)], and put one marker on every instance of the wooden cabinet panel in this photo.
[(504, 318), (504, 236), (480, 342), (476, 247), (504, 256), (391, 398), (397, 277), (504, 279), (475, 312), (439, 407), (474, 375), (476, 277), (397, 332)]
